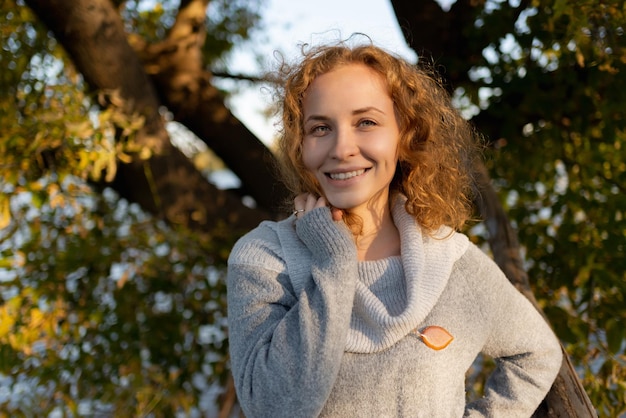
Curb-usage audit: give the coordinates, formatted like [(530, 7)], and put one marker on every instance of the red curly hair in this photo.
[(436, 148)]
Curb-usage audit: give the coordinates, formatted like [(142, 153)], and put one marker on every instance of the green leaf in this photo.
[(615, 335)]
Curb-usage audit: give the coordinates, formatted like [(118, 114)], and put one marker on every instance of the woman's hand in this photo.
[(307, 201)]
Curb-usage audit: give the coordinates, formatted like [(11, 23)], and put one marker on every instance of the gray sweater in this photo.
[(315, 332)]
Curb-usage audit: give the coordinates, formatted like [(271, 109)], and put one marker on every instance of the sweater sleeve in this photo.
[(285, 348), (526, 352)]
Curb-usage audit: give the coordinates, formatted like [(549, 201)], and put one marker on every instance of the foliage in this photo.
[(103, 310), (229, 22), (107, 311), (557, 85)]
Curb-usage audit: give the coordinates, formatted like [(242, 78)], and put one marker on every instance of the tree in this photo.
[(101, 289)]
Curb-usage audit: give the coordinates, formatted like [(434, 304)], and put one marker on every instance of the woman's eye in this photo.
[(319, 129), (367, 123)]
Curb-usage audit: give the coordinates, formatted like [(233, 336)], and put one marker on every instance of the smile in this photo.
[(346, 176)]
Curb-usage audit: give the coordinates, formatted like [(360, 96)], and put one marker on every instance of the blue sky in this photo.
[(288, 23)]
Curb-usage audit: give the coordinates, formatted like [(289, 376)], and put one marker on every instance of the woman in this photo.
[(366, 302)]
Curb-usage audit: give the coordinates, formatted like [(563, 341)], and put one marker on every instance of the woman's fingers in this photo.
[(311, 202), (300, 201), (308, 201), (337, 214)]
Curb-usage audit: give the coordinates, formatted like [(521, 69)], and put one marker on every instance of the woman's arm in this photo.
[(286, 349), (526, 351)]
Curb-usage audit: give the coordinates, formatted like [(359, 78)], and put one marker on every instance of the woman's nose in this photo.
[(345, 144)]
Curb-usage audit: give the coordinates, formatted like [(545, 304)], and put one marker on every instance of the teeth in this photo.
[(346, 176)]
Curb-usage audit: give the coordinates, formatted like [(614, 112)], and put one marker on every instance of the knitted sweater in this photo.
[(315, 332)]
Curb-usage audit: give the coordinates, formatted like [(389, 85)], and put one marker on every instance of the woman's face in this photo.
[(351, 137)]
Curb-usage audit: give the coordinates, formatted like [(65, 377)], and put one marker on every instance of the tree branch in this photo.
[(166, 184), (185, 88), (242, 77)]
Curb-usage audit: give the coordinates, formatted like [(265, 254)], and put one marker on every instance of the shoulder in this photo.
[(446, 244), (487, 284), (476, 261), (476, 271), (260, 246)]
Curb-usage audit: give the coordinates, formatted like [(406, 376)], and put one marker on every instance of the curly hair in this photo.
[(436, 147)]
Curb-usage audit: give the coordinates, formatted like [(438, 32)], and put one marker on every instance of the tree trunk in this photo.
[(432, 32), (567, 398)]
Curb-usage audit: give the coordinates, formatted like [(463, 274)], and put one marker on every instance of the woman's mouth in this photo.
[(346, 175)]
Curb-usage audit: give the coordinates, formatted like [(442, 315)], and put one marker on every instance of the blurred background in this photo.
[(136, 147)]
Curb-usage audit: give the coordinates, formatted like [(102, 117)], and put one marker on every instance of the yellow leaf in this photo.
[(53, 188), (145, 153), (19, 259), (83, 160), (580, 58), (36, 318), (5, 212), (111, 168), (36, 186), (125, 158), (7, 320), (122, 280), (81, 129), (57, 201), (96, 169)]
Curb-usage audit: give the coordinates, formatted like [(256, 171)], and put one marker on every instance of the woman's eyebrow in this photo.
[(367, 109), (354, 112), (316, 118)]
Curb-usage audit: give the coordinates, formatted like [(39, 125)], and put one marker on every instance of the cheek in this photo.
[(386, 154), (310, 155)]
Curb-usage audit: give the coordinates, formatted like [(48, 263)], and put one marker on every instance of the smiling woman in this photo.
[(382, 317)]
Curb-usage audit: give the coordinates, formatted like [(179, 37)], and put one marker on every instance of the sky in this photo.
[(288, 23)]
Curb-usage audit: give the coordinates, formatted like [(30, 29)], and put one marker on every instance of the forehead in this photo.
[(345, 85)]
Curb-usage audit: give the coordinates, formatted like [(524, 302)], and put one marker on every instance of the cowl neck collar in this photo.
[(427, 261)]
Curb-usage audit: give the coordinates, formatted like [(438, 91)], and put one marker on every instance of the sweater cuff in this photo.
[(323, 236)]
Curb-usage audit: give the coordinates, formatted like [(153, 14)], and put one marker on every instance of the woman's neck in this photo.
[(376, 236)]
